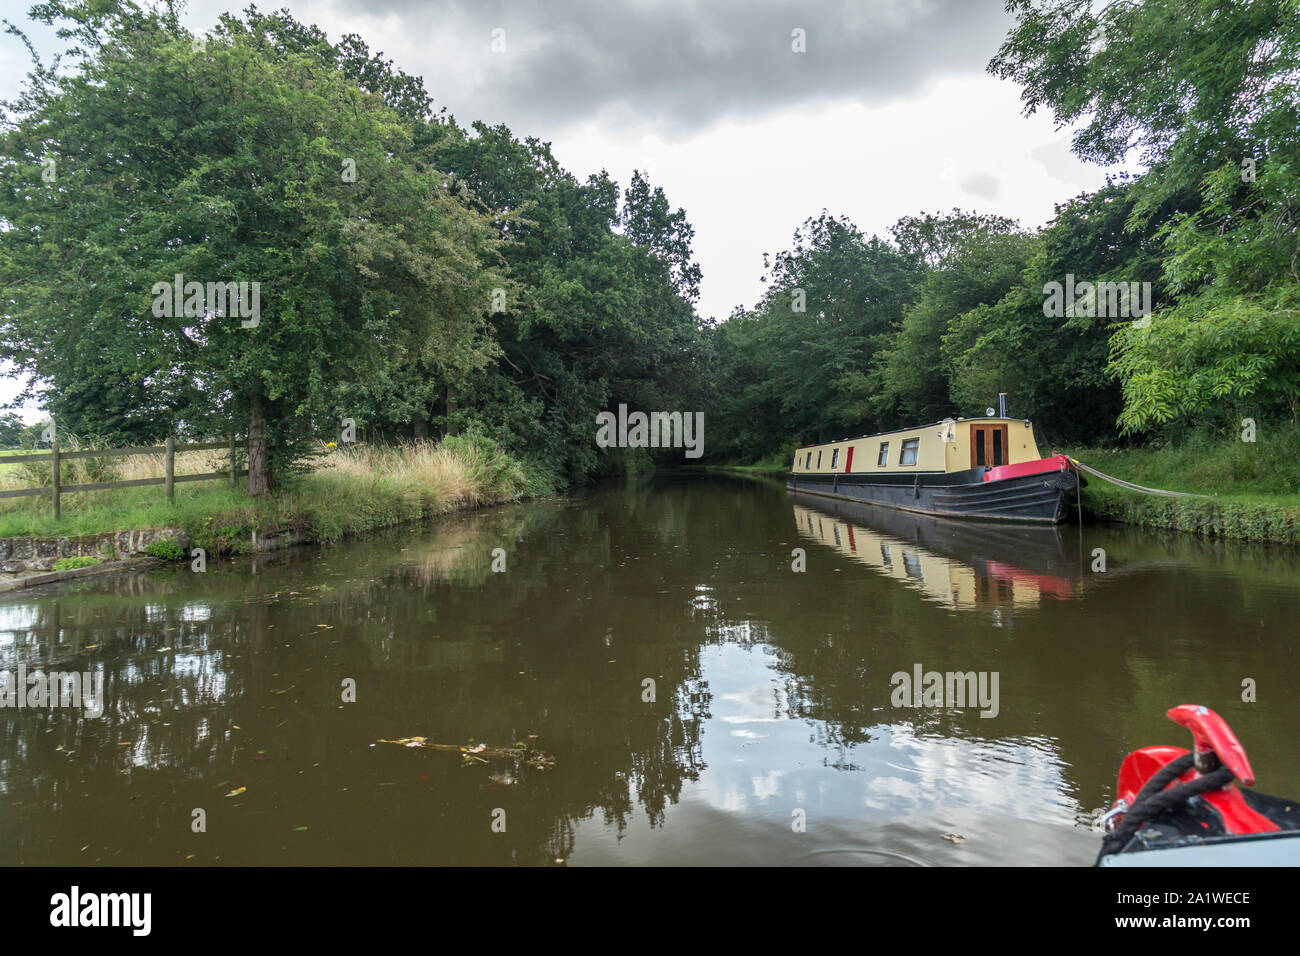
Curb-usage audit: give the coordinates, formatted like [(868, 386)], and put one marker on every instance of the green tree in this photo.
[(973, 260), (1206, 95), (11, 430), (801, 366), (1055, 368), (603, 313), (228, 162)]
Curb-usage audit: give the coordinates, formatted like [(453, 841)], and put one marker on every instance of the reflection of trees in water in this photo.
[(1175, 619), (206, 673)]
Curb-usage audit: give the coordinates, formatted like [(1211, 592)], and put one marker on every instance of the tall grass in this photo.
[(348, 490)]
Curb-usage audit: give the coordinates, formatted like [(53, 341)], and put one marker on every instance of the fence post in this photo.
[(232, 462), (54, 476), (169, 466)]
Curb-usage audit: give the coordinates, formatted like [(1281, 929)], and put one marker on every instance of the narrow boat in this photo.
[(1179, 807), (987, 468)]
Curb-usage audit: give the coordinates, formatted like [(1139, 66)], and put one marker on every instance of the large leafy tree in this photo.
[(1207, 95), (801, 365), (1056, 368), (227, 161), (973, 260), (603, 313)]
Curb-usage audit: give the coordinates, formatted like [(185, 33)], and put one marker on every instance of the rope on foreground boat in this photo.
[(1132, 487), (1153, 799)]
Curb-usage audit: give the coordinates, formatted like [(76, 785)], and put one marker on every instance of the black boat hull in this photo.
[(1040, 498)]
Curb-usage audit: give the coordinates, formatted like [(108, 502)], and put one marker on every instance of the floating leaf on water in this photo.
[(237, 791), (479, 752), (954, 838)]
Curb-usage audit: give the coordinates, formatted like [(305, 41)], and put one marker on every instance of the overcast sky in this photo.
[(889, 112)]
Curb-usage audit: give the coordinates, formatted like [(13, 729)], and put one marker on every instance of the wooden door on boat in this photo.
[(988, 445)]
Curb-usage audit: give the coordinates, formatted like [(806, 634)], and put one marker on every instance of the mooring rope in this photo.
[(1132, 487)]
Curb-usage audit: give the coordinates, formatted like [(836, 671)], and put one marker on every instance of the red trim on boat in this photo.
[(1041, 466)]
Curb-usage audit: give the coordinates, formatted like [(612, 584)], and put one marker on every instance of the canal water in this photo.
[(702, 700)]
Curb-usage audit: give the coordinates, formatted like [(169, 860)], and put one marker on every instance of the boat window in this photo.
[(883, 459), (808, 463), (819, 459), (907, 455), (835, 458)]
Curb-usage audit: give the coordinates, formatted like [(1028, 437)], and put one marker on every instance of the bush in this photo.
[(165, 548), (68, 564)]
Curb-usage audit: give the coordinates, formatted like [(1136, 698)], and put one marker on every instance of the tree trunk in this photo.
[(258, 477), (420, 426), (448, 409)]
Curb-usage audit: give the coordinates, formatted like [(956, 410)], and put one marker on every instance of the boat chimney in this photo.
[(1002, 404)]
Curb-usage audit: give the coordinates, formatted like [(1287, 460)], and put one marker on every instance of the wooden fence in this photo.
[(168, 480)]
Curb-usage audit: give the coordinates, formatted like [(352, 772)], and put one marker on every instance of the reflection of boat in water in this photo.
[(958, 563)]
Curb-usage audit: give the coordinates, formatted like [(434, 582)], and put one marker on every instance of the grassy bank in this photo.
[(347, 490), (1250, 490), (767, 466)]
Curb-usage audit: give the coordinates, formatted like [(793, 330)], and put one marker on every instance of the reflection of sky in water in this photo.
[(196, 612), (899, 769), (15, 620), (763, 762), (176, 657)]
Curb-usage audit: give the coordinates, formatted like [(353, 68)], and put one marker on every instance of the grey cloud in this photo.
[(982, 184), (682, 65), (1057, 160)]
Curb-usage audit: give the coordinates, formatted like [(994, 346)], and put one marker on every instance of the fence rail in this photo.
[(111, 452), (169, 479)]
